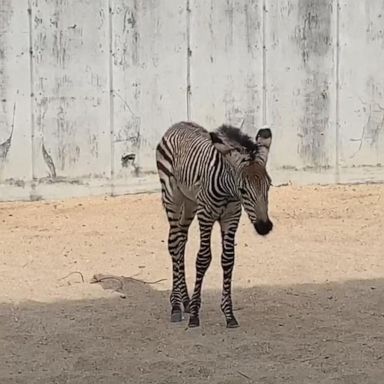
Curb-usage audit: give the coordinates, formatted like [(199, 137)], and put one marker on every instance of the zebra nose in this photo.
[(263, 227)]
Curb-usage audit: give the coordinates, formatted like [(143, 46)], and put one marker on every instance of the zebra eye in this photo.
[(242, 191)]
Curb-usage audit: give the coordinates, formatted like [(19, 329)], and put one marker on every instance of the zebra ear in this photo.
[(263, 143), (222, 147)]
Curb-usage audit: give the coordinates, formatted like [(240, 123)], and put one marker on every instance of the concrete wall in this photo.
[(84, 83)]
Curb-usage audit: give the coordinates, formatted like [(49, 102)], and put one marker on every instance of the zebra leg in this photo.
[(229, 222), (183, 287), (172, 202), (175, 241), (188, 214), (180, 213), (202, 263)]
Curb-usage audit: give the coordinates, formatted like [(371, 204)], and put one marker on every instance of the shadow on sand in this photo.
[(332, 333)]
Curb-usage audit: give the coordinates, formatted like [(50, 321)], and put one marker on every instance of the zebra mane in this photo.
[(236, 138)]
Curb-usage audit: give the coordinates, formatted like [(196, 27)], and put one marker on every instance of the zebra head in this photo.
[(255, 183), (248, 159)]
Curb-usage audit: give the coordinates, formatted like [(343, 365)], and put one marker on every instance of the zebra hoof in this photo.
[(194, 322), (232, 323), (176, 317)]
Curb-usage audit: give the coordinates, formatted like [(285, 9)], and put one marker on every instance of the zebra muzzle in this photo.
[(263, 227)]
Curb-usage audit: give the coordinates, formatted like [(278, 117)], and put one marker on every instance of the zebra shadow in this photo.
[(309, 333)]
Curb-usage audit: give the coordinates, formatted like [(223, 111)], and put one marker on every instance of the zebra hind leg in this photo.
[(180, 216), (176, 244), (188, 214), (203, 261)]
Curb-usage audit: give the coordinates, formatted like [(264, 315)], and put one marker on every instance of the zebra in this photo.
[(211, 174)]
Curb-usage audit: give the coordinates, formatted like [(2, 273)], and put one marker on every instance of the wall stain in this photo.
[(6, 145), (127, 160), (314, 41), (252, 25), (4, 148), (375, 22), (60, 47), (229, 11), (127, 43), (211, 21), (314, 122), (93, 145), (39, 46), (49, 161), (253, 105), (69, 86), (101, 19), (6, 14), (68, 152), (373, 130), (313, 33)]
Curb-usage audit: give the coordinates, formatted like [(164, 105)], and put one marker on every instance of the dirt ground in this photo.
[(309, 297)]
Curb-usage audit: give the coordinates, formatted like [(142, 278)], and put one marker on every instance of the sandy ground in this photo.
[(309, 297)]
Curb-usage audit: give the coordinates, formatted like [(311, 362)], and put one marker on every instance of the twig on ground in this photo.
[(311, 358), (120, 279), (98, 279), (153, 282), (335, 340), (244, 375), (72, 273)]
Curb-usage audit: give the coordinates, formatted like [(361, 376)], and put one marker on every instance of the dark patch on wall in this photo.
[(50, 164), (67, 87), (93, 145), (375, 22), (313, 37), (127, 160), (127, 41), (313, 32), (129, 134), (64, 150), (6, 145), (60, 41), (4, 148), (375, 125), (229, 10), (314, 121), (252, 26), (372, 134), (6, 13), (68, 151)]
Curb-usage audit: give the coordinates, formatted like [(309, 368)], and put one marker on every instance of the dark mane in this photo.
[(234, 135)]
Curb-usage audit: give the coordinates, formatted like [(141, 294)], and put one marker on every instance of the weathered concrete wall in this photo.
[(84, 84)]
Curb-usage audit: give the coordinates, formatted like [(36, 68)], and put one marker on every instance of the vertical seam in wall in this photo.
[(111, 99), (337, 94), (264, 64), (32, 95), (189, 53)]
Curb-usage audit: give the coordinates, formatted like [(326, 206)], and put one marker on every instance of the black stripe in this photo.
[(162, 168), (162, 152)]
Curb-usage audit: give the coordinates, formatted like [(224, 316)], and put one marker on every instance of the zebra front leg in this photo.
[(227, 263), (202, 263), (229, 223), (178, 236)]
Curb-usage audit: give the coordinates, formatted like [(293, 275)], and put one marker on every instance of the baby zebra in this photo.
[(211, 174)]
